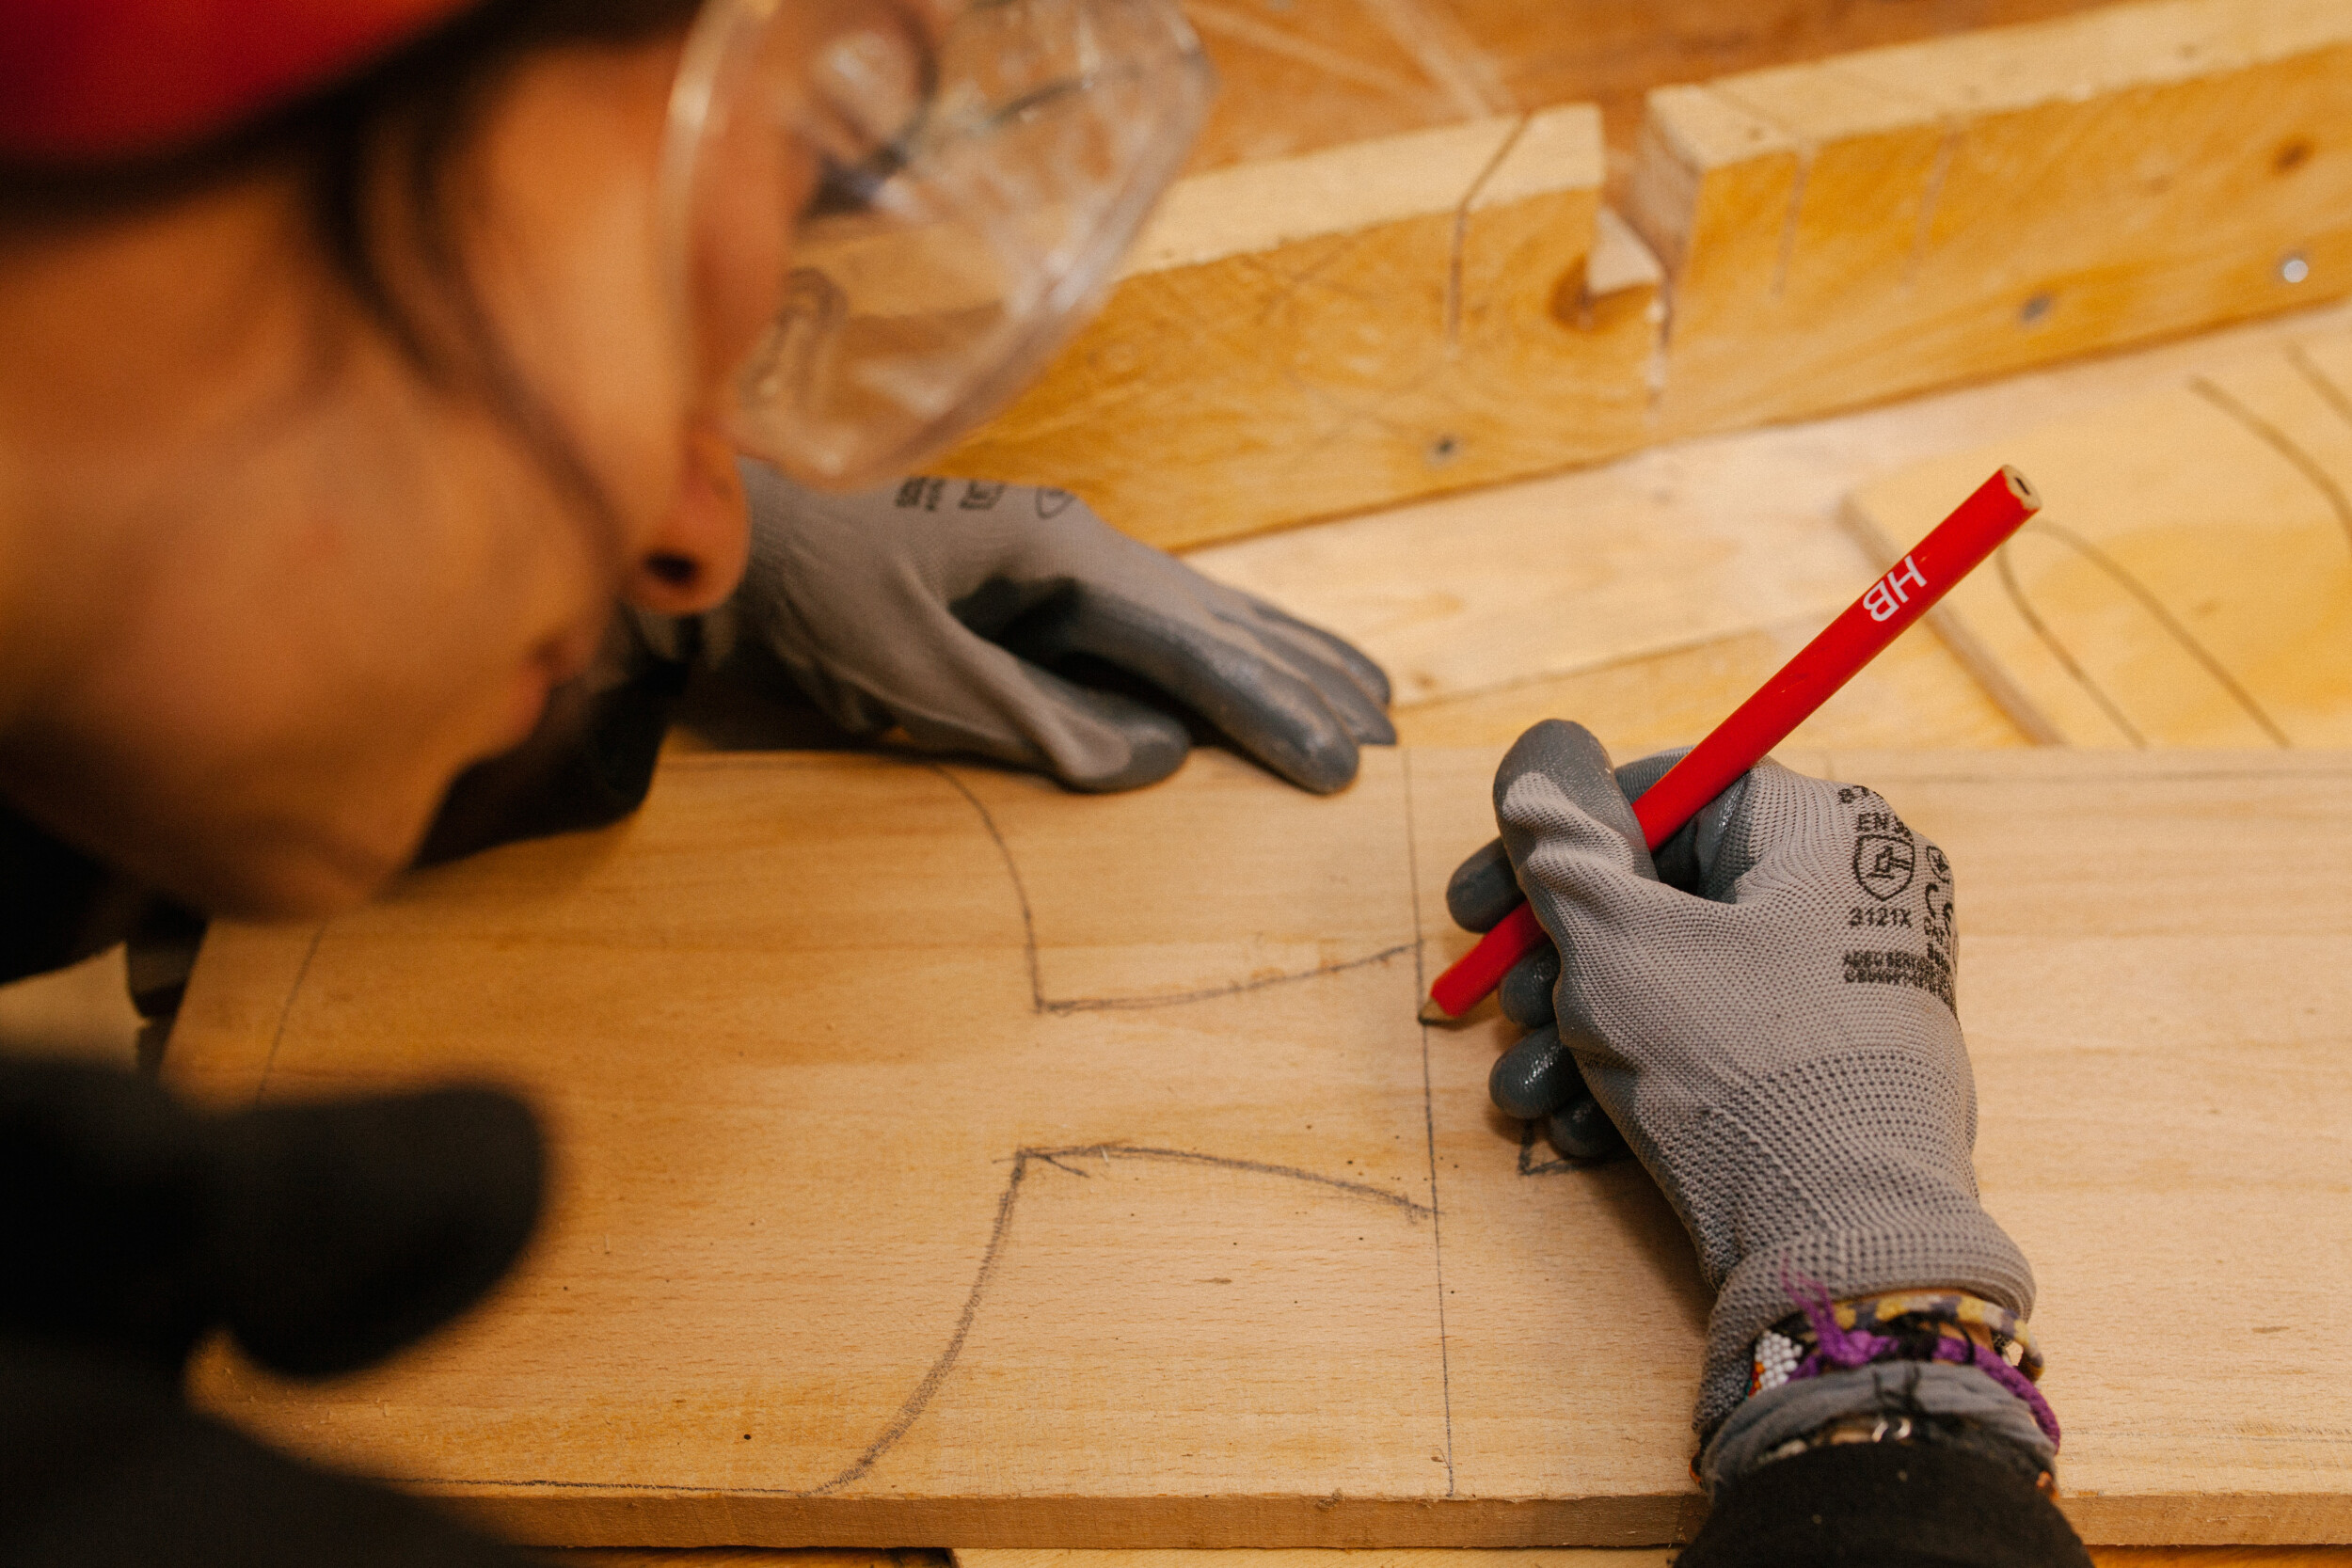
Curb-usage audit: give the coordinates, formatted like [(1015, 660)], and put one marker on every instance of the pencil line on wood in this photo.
[(1429, 1120), (2284, 445), (992, 1256), (1238, 987), (1792, 218), (1528, 1164), (1040, 1003), (1460, 241), (1020, 889), (2123, 577), (919, 1401), (285, 1011), (1226, 1161), (2006, 573)]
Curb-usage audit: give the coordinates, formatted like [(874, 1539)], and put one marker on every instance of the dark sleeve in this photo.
[(321, 1235), (57, 905), (1891, 1505), (588, 763), (102, 1465)]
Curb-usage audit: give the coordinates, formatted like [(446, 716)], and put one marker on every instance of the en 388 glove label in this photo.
[(1906, 888)]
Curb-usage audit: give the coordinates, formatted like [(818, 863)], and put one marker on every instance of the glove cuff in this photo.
[(1961, 1249)]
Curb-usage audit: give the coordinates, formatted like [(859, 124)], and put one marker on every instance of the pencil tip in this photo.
[(1432, 1013)]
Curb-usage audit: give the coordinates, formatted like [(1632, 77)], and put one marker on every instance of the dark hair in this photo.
[(394, 131)]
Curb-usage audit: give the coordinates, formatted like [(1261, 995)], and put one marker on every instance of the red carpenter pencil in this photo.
[(1956, 547)]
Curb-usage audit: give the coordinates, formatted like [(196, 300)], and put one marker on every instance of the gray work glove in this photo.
[(978, 617), (1770, 1026)]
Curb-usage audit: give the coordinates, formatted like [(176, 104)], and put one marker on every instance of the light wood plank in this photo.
[(1301, 75), (2189, 582), (1316, 335), (1650, 586), (788, 1030), (1622, 1557), (1541, 1556), (1845, 230), (1569, 1557), (1913, 696)]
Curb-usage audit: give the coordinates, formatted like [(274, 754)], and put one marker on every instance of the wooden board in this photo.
[(1846, 230), (2191, 580), (1571, 1556), (1317, 335), (1306, 337), (1620, 1557), (1301, 75), (1652, 595), (1022, 1169)]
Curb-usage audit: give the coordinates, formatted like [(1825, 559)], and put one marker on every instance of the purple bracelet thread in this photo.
[(1846, 1349)]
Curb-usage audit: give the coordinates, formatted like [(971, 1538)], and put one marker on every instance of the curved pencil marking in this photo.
[(1126, 1004), (2049, 639), (2123, 577), (927, 1388), (2283, 444), (285, 1011), (1040, 1003), (2322, 383)]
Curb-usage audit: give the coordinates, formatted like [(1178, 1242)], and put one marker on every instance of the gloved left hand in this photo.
[(993, 618)]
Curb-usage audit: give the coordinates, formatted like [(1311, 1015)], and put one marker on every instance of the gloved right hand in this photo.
[(1772, 1028)]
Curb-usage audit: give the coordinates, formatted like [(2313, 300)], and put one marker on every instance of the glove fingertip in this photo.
[(1483, 888), (1323, 764), (1581, 1130), (1525, 993), (1534, 1077)]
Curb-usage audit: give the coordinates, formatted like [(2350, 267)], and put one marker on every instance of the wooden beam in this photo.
[(2189, 582), (1845, 232), (946, 1157), (1318, 335)]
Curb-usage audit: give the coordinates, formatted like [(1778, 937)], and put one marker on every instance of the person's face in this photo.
[(265, 591)]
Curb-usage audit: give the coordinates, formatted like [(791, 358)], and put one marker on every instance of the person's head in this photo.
[(337, 412)]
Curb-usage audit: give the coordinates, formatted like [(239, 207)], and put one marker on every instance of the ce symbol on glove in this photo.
[(1012, 623)]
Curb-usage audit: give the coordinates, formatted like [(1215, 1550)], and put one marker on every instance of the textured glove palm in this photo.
[(1776, 1036), (940, 609)]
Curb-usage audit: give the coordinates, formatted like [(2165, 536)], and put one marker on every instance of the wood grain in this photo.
[(1622, 1557), (1317, 335), (1845, 230), (1916, 695), (1652, 593), (1304, 337), (1301, 75), (2106, 1557), (2190, 581), (1114, 1205)]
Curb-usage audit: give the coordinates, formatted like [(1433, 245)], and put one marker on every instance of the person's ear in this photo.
[(693, 560)]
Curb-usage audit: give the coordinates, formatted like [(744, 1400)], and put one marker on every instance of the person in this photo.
[(362, 355)]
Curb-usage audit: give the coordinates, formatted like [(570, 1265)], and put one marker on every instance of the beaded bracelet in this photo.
[(1900, 1325)]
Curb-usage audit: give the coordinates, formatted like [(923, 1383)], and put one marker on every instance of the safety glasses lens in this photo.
[(955, 204)]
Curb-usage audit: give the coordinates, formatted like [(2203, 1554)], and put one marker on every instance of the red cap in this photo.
[(88, 80)]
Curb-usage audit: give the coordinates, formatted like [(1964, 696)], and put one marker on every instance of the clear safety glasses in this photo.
[(884, 218)]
